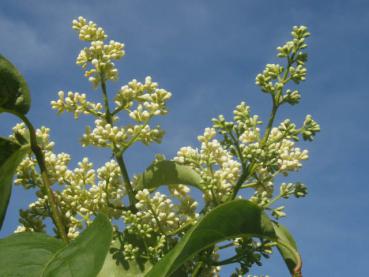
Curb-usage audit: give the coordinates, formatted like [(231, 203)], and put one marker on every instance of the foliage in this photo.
[(160, 234)]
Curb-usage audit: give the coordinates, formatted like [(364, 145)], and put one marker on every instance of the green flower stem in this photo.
[(133, 139), (116, 152), (241, 180), (238, 150), (204, 260), (127, 183), (55, 211), (250, 185), (275, 199), (181, 229), (161, 229), (117, 110), (271, 121), (225, 246), (198, 269), (108, 115), (250, 170), (230, 260)]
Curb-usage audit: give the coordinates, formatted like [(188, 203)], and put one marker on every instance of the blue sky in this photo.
[(207, 53)]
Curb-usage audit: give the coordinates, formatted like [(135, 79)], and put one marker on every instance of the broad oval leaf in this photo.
[(168, 173), (36, 254), (11, 154), (293, 262), (229, 220), (25, 254), (84, 256), (116, 267), (14, 92)]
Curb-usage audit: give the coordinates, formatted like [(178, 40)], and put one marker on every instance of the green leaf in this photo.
[(11, 154), (168, 173), (83, 257), (232, 219), (25, 254), (117, 267), (292, 260), (14, 92), (36, 254)]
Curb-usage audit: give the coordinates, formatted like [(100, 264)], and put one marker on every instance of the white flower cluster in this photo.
[(156, 211), (289, 156), (157, 219), (273, 79), (243, 158), (76, 103), (187, 205), (88, 31), (141, 101), (151, 100), (85, 191), (99, 55), (104, 135), (215, 164), (148, 101), (277, 155)]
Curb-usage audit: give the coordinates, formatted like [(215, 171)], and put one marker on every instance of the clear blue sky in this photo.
[(207, 53)]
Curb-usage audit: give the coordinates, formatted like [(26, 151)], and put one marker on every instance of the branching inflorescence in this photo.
[(235, 159)]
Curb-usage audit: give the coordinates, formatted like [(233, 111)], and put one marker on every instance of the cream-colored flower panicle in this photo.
[(99, 55)]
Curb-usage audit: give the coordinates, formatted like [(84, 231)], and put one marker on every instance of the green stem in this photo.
[(273, 201), (250, 170), (196, 272), (243, 177), (108, 115), (161, 229), (270, 123), (250, 185), (225, 246), (180, 229), (55, 211), (238, 150), (230, 260), (133, 139), (117, 110), (116, 152), (127, 183)]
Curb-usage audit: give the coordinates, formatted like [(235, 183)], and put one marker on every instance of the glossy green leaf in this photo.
[(168, 173), (36, 254), (11, 154), (25, 254), (286, 238), (229, 220), (84, 256), (116, 267), (14, 92)]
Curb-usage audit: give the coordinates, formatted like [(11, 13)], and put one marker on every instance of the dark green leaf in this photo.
[(229, 220), (168, 173), (11, 154), (83, 257), (14, 92), (25, 254), (118, 267), (286, 238)]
